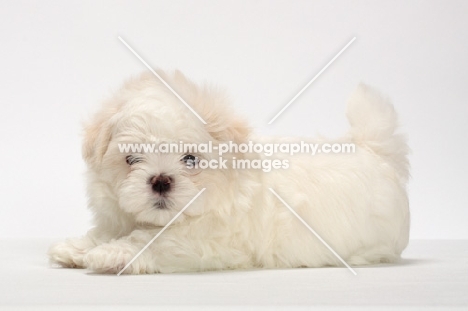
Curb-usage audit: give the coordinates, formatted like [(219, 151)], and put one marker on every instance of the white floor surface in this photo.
[(432, 273)]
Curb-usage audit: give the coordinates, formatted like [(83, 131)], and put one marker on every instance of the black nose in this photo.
[(161, 183)]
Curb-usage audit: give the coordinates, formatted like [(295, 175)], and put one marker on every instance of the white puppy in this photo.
[(356, 202)]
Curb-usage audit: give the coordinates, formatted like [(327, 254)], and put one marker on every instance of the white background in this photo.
[(59, 59)]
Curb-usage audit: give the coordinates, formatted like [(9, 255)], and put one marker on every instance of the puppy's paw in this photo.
[(111, 258), (70, 253)]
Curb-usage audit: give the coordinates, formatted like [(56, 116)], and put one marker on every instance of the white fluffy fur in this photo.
[(355, 202)]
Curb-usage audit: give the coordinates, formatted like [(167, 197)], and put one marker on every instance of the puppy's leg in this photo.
[(70, 253), (111, 257), (172, 252)]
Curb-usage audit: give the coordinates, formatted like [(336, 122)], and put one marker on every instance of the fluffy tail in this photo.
[(373, 125)]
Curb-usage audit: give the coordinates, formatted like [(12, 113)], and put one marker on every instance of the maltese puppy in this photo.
[(356, 202)]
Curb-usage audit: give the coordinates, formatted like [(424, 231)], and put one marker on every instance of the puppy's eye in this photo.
[(131, 159), (188, 158)]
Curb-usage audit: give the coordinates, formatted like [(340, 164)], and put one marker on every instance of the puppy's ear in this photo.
[(227, 127), (212, 105), (97, 136)]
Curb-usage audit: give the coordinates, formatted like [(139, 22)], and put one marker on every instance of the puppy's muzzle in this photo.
[(161, 183)]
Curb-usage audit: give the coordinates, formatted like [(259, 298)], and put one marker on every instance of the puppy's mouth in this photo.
[(160, 204)]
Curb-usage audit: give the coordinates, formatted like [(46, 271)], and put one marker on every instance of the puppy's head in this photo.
[(154, 187)]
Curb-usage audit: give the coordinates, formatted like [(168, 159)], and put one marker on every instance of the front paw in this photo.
[(111, 258), (69, 254)]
